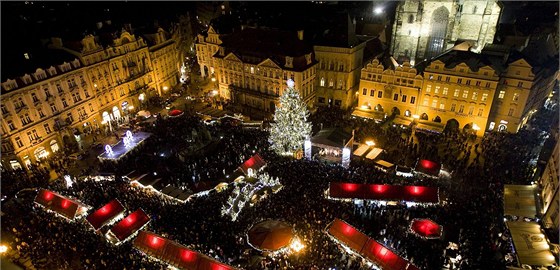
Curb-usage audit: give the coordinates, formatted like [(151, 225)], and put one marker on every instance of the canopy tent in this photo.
[(362, 149), (175, 254), (428, 167), (373, 154), (369, 114), (105, 214), (120, 149), (61, 205), (420, 194), (402, 121), (519, 200), (531, 245), (255, 163), (431, 127), (367, 247), (384, 164), (175, 113), (129, 225), (332, 138), (144, 113), (212, 112), (404, 171), (426, 228), (270, 235)]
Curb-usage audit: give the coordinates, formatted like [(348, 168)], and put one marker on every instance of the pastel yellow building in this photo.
[(549, 195), (388, 88), (98, 87)]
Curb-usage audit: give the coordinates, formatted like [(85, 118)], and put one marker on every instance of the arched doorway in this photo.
[(467, 127), (438, 31), (395, 111), (407, 113), (106, 117), (116, 113), (424, 116), (437, 119), (54, 146), (272, 107), (452, 125), (502, 127), (379, 108), (205, 73), (40, 153)]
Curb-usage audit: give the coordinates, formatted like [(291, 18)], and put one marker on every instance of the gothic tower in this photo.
[(425, 28)]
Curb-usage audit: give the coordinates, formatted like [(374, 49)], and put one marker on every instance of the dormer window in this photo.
[(26, 56), (308, 58), (289, 61)]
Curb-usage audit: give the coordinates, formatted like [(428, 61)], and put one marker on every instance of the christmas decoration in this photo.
[(290, 127)]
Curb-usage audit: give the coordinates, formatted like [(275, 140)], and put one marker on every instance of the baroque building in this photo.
[(459, 89), (105, 82), (425, 28)]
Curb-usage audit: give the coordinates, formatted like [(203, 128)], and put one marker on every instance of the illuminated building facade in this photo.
[(457, 90), (252, 66), (100, 87), (425, 28)]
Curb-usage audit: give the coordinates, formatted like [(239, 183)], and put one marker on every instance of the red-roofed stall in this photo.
[(129, 225), (175, 254), (367, 247), (428, 167), (426, 228), (255, 163), (418, 194), (64, 206), (105, 214)]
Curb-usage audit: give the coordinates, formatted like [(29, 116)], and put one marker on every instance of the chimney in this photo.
[(300, 34)]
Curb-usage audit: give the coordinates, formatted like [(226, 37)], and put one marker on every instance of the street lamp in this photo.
[(3, 249), (378, 10)]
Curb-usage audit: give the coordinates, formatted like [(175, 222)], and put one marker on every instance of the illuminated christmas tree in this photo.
[(290, 127)]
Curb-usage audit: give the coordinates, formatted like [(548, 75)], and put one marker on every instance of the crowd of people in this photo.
[(196, 153)]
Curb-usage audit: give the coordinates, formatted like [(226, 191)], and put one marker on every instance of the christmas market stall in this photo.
[(128, 227), (175, 254), (128, 143), (356, 242), (105, 215), (426, 228), (428, 168), (63, 206), (412, 195)]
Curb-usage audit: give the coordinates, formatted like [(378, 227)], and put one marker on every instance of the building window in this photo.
[(461, 108), (439, 77), (337, 102), (515, 96), (252, 70), (4, 109), (41, 114), (380, 94), (487, 85), (453, 107), (442, 106), (447, 79), (11, 125), (47, 93), (321, 100), (480, 110), (456, 93), (468, 82), (434, 103), (510, 112), (431, 77), (396, 97), (53, 108), (70, 118), (474, 95), (502, 94), (428, 88), (372, 93), (59, 88), (19, 142), (412, 100), (410, 18), (425, 102), (471, 110), (445, 89), (364, 91), (459, 81), (484, 97), (465, 94), (64, 103), (477, 83), (436, 91), (403, 98), (34, 97), (520, 84), (331, 83), (90, 107), (86, 93)]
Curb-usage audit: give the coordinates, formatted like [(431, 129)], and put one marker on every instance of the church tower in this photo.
[(425, 28)]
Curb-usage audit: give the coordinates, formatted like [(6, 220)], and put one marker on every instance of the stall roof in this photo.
[(428, 167), (130, 224), (419, 194), (256, 162), (531, 245), (519, 200), (362, 149), (385, 164), (401, 121), (428, 127), (333, 137), (369, 114), (373, 154), (175, 254), (104, 214), (62, 205)]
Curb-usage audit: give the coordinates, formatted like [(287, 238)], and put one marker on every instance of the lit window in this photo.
[(502, 94), (484, 97), (453, 107), (445, 89), (515, 96), (456, 93), (465, 94), (510, 112), (442, 106), (434, 103), (428, 88), (474, 95)]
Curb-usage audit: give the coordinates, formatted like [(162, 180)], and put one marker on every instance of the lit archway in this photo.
[(502, 127), (106, 117), (437, 119), (395, 111), (407, 113), (379, 108), (54, 146), (452, 125), (438, 32), (424, 116), (116, 112)]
